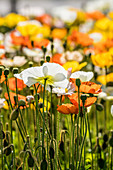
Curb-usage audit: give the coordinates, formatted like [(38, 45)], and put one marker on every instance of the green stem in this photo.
[(90, 139), (43, 117), (78, 127), (83, 138)]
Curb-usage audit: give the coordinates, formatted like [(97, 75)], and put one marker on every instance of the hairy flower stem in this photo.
[(73, 132), (11, 108), (82, 145), (37, 119), (51, 130), (43, 117), (90, 139), (78, 126)]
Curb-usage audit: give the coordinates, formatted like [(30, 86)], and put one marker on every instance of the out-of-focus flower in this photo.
[(2, 100), (68, 109), (16, 61), (12, 97), (32, 29), (82, 75), (12, 84), (112, 110), (31, 11), (102, 24), (54, 74), (13, 19), (89, 101), (29, 98), (74, 55), (45, 19), (64, 91), (80, 38), (95, 15), (105, 78), (96, 36), (105, 58), (65, 13), (102, 95), (74, 65), (59, 33)]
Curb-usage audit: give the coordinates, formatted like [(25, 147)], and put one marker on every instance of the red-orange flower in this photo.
[(57, 59), (68, 109), (12, 97), (89, 101), (40, 43), (45, 19), (12, 84), (95, 15), (88, 87), (80, 38)]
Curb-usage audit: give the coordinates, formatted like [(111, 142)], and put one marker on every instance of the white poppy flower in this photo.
[(64, 91), (29, 98), (54, 74), (96, 36), (2, 102), (16, 61), (82, 75), (74, 55), (102, 95), (112, 110)]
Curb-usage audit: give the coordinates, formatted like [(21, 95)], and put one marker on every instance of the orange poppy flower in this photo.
[(12, 84), (12, 97), (74, 99), (80, 38), (57, 59), (68, 109), (2, 78), (39, 87), (45, 19), (17, 40), (40, 43), (95, 15), (88, 87), (59, 33)]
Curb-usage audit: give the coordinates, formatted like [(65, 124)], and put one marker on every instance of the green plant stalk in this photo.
[(90, 139), (20, 131), (78, 127), (73, 132), (84, 142), (83, 138), (51, 129), (1, 140), (37, 119), (24, 128), (111, 158), (43, 117), (64, 152), (11, 108)]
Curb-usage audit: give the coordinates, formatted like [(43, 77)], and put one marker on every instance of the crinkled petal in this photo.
[(82, 75)]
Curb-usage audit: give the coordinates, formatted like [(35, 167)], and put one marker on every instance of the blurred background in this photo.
[(7, 6)]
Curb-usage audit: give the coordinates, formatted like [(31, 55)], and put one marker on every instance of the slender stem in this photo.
[(83, 138), (78, 127), (11, 108), (43, 116), (90, 139)]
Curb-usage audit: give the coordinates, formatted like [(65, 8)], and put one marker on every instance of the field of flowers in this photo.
[(56, 90)]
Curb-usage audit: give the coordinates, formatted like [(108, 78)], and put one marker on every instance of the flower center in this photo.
[(49, 80)]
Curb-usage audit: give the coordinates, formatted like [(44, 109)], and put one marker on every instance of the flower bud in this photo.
[(30, 63), (105, 137), (15, 70), (43, 165), (1, 90), (0, 71), (21, 103), (7, 150), (78, 83), (51, 153), (14, 114), (30, 161), (40, 105), (6, 72), (61, 146), (104, 146), (44, 49), (101, 163), (99, 107), (2, 134), (5, 143), (52, 47), (30, 98), (48, 58), (41, 62), (83, 98)]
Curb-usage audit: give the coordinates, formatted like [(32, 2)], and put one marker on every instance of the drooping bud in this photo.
[(15, 70), (14, 114), (41, 62), (30, 63), (6, 72), (78, 83), (48, 58)]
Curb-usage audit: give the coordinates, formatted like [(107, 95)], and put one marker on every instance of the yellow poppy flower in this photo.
[(102, 24), (102, 59), (74, 65), (13, 19), (2, 21), (105, 78)]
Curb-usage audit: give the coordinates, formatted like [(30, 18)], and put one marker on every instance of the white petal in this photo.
[(59, 77), (45, 70), (54, 68), (82, 75)]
